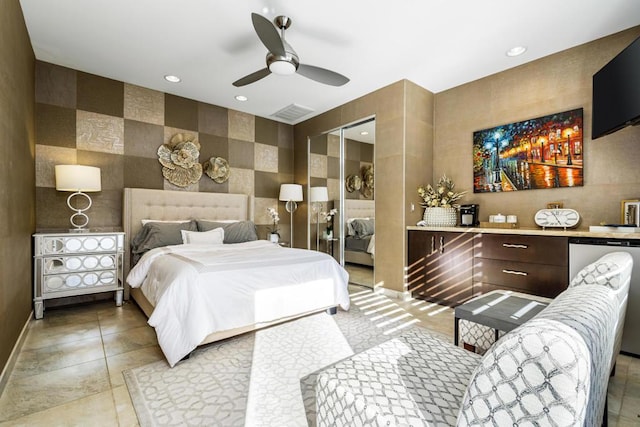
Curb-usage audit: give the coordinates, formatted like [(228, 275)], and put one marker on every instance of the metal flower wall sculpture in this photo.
[(179, 159)]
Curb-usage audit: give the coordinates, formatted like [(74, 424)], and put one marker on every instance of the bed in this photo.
[(222, 290), (358, 249)]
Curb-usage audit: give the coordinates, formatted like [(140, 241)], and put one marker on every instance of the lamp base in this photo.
[(79, 214)]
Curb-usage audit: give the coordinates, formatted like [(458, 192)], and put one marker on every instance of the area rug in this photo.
[(263, 378)]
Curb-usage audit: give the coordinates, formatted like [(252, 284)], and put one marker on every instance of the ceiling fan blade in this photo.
[(268, 34), (251, 78), (322, 75)]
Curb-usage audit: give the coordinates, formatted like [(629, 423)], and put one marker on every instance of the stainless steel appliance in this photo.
[(469, 215), (585, 250)]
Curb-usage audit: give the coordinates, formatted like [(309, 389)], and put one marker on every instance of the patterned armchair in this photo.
[(553, 370)]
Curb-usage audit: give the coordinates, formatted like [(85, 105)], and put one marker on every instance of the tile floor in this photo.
[(69, 371)]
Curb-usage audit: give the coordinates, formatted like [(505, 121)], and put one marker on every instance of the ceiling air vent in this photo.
[(292, 112)]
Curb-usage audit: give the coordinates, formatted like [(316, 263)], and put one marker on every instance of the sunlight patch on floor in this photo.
[(382, 311)]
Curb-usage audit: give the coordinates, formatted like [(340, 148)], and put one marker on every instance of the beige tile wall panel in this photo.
[(261, 216), (98, 132), (318, 165), (266, 158), (47, 157), (241, 126), (144, 105), (241, 181), (333, 145), (555, 83)]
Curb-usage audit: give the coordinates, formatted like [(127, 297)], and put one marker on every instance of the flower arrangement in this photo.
[(444, 195), (328, 217), (275, 217)]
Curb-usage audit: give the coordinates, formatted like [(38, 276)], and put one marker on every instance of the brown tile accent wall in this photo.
[(87, 119), (99, 95)]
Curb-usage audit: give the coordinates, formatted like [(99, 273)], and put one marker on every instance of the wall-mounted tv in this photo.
[(616, 93)]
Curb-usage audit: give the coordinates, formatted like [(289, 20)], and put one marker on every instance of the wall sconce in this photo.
[(317, 195), (78, 178), (291, 193)]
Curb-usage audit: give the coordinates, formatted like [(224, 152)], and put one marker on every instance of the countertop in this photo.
[(532, 232)]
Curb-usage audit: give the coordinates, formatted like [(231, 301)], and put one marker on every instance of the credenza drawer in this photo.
[(539, 279), (531, 249)]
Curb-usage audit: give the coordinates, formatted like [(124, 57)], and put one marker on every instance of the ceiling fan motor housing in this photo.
[(284, 65)]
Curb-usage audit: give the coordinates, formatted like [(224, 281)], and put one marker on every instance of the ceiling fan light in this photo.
[(283, 68)]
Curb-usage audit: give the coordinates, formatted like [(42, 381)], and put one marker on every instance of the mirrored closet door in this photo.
[(341, 192)]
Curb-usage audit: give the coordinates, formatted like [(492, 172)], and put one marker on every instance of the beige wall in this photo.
[(403, 113), (17, 197), (552, 84)]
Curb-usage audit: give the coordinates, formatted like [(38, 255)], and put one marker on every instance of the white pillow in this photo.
[(211, 237), (176, 221)]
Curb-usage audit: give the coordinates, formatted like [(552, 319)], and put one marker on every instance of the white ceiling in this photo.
[(437, 44)]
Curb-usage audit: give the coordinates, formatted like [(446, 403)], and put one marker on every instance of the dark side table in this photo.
[(499, 310)]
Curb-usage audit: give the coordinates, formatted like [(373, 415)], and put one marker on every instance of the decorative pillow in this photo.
[(350, 230), (234, 232), (156, 234), (363, 227), (211, 237)]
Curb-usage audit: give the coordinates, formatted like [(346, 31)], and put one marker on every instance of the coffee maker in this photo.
[(469, 215)]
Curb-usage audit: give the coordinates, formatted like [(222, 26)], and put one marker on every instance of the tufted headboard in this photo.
[(354, 208), (141, 203)]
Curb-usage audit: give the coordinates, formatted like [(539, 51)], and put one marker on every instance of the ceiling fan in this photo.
[(282, 59)]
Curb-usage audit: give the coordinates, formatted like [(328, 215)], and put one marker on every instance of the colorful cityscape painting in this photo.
[(545, 152)]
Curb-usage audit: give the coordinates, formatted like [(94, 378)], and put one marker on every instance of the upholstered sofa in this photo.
[(552, 370)]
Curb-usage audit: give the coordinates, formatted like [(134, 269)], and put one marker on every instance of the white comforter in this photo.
[(201, 289)]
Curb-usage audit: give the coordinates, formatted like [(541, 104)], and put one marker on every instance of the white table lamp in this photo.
[(291, 193), (79, 179), (317, 195)]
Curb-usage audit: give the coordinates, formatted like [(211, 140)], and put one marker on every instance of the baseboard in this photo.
[(8, 368), (402, 296)]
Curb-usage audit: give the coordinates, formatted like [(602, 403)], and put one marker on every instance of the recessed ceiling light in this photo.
[(241, 98), (172, 79), (515, 51), (364, 132)]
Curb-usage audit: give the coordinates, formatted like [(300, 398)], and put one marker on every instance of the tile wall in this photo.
[(91, 120)]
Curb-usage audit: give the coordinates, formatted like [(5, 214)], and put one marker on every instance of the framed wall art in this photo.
[(630, 212), (545, 152)]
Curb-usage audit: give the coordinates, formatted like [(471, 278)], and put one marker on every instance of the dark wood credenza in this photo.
[(449, 267)]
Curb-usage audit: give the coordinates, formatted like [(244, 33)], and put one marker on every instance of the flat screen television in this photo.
[(616, 93)]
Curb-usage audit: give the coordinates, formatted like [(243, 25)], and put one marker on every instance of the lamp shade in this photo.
[(77, 178), (318, 194), (291, 192)]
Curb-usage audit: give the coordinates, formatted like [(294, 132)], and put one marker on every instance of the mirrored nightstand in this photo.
[(70, 264)]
